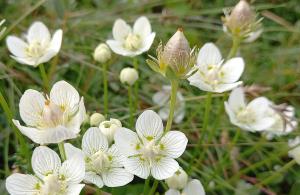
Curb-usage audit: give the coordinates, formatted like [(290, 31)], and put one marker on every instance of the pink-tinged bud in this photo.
[(176, 55)]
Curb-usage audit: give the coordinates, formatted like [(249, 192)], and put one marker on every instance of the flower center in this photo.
[(53, 185), (52, 114), (132, 42), (36, 49), (99, 161), (150, 150), (212, 75), (246, 116)]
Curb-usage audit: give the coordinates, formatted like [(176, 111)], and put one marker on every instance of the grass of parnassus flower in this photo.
[(226, 154)]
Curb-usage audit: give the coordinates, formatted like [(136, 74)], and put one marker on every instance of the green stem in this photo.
[(174, 87), (136, 84), (23, 147), (105, 89), (278, 172), (6, 150), (44, 77), (154, 186), (62, 151), (131, 106), (146, 186), (207, 111), (235, 46)]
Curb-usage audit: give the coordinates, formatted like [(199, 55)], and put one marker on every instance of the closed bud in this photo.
[(128, 76), (96, 119), (178, 180), (108, 128), (241, 21), (176, 55), (102, 53)]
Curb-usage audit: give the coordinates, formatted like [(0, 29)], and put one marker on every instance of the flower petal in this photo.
[(74, 189), (64, 94), (38, 32), (164, 168), (173, 192), (232, 70), (75, 122), (21, 184), (45, 161), (56, 41), (194, 187), (26, 61), (116, 177), (71, 151), (196, 80), (16, 46), (46, 136), (137, 166), (142, 27), (127, 141), (91, 177), (93, 141), (227, 87), (31, 106), (173, 144), (149, 126), (236, 99), (117, 157), (261, 105), (73, 169), (209, 54), (117, 47), (121, 30), (146, 44)]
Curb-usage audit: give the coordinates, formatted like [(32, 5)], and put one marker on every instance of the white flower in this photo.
[(294, 142), (252, 116), (108, 128), (96, 119), (295, 153), (129, 76), (39, 46), (53, 118), (162, 98), (51, 177), (104, 165), (149, 151), (131, 42), (214, 76), (193, 187), (178, 180), (102, 53), (284, 118)]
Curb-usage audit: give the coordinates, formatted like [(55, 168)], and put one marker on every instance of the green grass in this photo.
[(227, 154)]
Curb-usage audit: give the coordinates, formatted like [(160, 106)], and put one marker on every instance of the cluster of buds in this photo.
[(242, 22), (176, 59)]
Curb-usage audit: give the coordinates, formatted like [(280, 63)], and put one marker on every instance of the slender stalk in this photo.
[(131, 106), (44, 77), (62, 151), (174, 87), (5, 154), (146, 186), (154, 186), (23, 147), (105, 88), (235, 46), (136, 84), (207, 111)]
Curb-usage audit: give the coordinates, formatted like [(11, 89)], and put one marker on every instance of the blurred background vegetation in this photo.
[(231, 161)]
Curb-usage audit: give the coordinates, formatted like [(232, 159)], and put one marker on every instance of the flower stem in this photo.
[(235, 46), (146, 186), (62, 151), (44, 77), (136, 84), (131, 106), (174, 87), (105, 89), (154, 186), (23, 147)]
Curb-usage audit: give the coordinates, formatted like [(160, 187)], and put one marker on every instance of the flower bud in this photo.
[(108, 128), (96, 119), (128, 76), (102, 53), (176, 55), (178, 180)]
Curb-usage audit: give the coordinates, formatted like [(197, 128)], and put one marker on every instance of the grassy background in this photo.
[(228, 156)]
